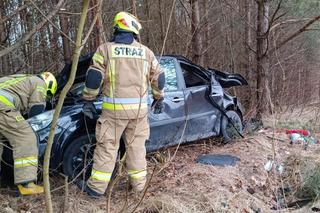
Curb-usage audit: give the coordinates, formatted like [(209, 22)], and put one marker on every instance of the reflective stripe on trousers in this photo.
[(100, 176), (26, 161), (137, 174), (6, 98), (124, 103)]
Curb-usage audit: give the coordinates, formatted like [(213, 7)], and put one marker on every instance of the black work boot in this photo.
[(82, 185)]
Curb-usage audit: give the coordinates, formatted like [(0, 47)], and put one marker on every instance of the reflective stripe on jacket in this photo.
[(124, 103), (21, 92), (6, 98), (127, 71)]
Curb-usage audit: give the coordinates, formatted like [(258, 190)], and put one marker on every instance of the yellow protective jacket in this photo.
[(20, 92), (127, 70)]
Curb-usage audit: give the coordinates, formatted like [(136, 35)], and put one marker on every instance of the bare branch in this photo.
[(44, 15), (93, 23), (289, 21), (13, 13), (295, 34), (273, 17), (33, 31), (312, 29), (47, 156)]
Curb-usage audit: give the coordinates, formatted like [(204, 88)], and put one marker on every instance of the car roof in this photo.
[(85, 61)]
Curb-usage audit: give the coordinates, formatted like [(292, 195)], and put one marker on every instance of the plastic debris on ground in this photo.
[(301, 136), (218, 160)]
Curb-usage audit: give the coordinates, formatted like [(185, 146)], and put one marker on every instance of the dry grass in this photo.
[(302, 177), (185, 186)]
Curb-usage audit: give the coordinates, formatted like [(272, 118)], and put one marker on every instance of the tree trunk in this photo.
[(147, 33), (55, 46), (99, 25), (196, 38), (134, 11), (161, 22), (205, 43), (26, 25), (246, 62), (4, 62), (65, 42), (75, 59), (262, 92)]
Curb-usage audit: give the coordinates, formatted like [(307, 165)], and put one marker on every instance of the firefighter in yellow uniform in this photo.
[(23, 95), (124, 68)]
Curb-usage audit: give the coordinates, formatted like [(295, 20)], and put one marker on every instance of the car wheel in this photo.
[(77, 158), (227, 129)]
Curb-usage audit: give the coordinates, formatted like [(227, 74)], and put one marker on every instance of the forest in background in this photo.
[(273, 43)]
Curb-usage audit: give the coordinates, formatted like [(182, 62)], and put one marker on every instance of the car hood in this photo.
[(83, 65)]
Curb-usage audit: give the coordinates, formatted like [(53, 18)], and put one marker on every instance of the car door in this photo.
[(203, 117), (167, 127)]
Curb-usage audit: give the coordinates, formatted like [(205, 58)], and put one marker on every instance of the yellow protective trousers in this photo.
[(135, 132), (24, 144)]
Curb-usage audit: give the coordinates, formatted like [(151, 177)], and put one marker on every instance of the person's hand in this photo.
[(158, 106), (89, 110)]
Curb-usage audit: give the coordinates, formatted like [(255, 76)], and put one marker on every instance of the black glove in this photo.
[(158, 106), (89, 110)]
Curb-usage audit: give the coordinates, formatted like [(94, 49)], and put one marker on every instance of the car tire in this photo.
[(77, 157), (227, 130)]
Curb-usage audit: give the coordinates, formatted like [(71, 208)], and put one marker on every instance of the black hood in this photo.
[(83, 65)]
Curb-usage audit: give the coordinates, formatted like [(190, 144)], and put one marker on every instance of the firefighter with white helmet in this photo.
[(123, 68), (24, 96)]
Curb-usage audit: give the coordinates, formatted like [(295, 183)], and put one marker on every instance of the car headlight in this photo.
[(41, 121)]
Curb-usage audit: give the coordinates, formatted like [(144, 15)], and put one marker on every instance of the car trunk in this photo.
[(228, 80)]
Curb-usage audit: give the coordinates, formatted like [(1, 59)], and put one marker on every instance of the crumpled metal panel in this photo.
[(167, 127), (203, 117)]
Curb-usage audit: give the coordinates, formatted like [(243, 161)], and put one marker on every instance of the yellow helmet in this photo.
[(127, 22), (51, 82)]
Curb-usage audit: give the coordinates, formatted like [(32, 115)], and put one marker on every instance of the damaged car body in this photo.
[(196, 106)]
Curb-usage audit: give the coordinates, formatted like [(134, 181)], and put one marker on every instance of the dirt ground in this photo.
[(179, 184)]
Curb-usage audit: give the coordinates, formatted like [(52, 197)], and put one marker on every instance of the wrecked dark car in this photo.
[(196, 107)]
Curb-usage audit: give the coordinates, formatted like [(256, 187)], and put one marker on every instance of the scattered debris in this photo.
[(250, 190), (297, 138), (268, 166), (253, 125), (218, 160), (301, 136), (187, 186), (298, 131)]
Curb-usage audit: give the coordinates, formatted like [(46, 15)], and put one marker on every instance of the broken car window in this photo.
[(168, 66), (190, 76)]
